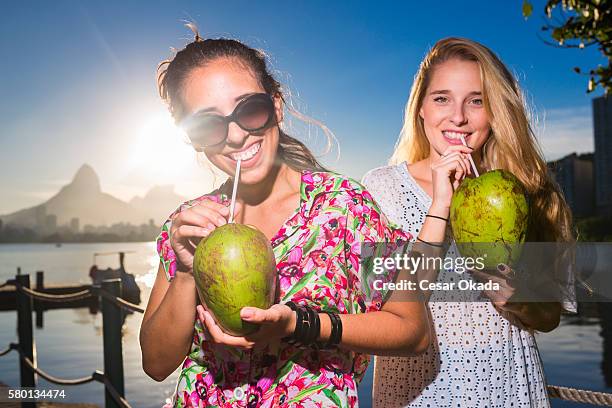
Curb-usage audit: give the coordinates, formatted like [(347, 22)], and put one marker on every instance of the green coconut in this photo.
[(489, 216), (234, 267)]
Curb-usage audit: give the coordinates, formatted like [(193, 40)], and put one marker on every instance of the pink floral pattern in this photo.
[(319, 261)]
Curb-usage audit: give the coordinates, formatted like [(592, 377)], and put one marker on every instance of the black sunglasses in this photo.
[(254, 113)]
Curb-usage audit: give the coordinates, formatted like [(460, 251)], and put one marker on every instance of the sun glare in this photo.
[(160, 152)]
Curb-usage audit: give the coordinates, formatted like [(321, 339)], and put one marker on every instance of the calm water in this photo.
[(70, 344)]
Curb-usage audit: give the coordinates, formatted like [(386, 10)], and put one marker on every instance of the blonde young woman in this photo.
[(484, 353)]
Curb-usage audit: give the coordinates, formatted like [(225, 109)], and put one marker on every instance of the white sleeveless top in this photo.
[(476, 358)]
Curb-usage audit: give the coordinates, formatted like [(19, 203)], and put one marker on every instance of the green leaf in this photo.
[(356, 222), (285, 370), (339, 248), (302, 282), (332, 396), (312, 240), (308, 391), (325, 281), (527, 9)]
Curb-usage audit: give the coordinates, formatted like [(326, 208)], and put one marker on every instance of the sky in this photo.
[(79, 86)]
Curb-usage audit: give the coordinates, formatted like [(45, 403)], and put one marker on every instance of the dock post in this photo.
[(26, 337), (38, 306), (113, 349)]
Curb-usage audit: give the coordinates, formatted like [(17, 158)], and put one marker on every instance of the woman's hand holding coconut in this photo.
[(188, 228), (541, 316), (193, 224), (448, 171), (275, 323)]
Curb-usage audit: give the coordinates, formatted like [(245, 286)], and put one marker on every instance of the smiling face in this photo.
[(453, 107), (216, 89)]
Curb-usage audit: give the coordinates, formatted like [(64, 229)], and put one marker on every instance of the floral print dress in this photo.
[(319, 259)]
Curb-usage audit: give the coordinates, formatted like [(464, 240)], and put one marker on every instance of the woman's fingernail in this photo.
[(501, 267), (246, 313)]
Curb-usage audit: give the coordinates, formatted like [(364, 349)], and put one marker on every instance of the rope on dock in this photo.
[(55, 380), (122, 303), (96, 376), (113, 392), (83, 294), (581, 396), (71, 297), (11, 347)]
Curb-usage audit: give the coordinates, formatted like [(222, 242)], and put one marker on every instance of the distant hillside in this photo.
[(159, 202), (83, 199)]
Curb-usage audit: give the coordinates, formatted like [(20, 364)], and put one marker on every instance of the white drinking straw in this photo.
[(471, 160), (234, 190)]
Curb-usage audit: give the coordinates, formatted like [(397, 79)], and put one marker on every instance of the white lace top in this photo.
[(477, 358)]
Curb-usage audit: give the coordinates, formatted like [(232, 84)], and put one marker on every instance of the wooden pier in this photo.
[(107, 296), (8, 298)]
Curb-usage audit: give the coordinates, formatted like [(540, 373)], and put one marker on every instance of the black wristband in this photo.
[(335, 335), (291, 339), (307, 326), (310, 333), (337, 331), (338, 338), (429, 243), (300, 334), (317, 333), (314, 326), (436, 216)]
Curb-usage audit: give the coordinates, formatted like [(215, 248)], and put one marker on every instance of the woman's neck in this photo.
[(280, 182), (268, 205)]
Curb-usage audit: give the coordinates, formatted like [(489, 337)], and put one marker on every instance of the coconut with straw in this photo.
[(489, 215), (235, 267)]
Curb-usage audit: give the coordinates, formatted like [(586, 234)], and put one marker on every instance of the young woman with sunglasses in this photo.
[(484, 353), (312, 346)]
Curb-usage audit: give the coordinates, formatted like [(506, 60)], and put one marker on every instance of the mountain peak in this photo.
[(86, 179), (161, 190)]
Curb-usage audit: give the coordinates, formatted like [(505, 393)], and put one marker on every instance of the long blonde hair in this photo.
[(511, 144)]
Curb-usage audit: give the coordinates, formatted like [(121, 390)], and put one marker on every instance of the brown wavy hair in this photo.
[(172, 73)]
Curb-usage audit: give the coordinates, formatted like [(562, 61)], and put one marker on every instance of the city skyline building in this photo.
[(602, 134)]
